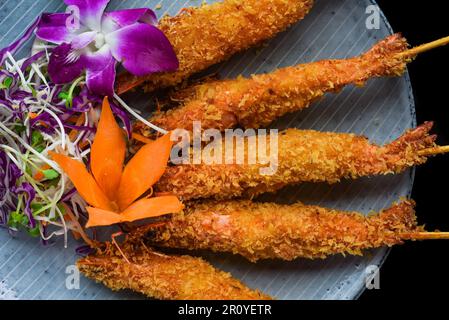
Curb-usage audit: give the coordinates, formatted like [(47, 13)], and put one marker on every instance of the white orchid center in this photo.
[(99, 40)]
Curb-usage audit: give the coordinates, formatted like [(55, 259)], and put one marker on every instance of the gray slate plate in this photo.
[(381, 111)]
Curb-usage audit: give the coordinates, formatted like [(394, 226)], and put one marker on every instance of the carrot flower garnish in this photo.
[(114, 190)]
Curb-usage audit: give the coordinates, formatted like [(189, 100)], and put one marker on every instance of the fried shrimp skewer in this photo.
[(212, 33), (272, 231), (259, 100), (302, 156), (162, 276)]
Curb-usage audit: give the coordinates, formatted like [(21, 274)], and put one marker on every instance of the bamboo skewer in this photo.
[(433, 151), (423, 48), (427, 236)]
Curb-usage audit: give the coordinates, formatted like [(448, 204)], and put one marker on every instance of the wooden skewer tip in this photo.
[(425, 47), (433, 151), (427, 236)]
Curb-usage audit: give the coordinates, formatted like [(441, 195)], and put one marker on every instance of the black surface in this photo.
[(420, 269)]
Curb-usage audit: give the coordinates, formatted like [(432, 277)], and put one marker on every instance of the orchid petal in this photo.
[(62, 68), (82, 40), (91, 11), (143, 49), (101, 72), (108, 152), (115, 20), (53, 28)]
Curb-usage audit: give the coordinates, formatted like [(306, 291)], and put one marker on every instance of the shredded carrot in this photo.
[(108, 152), (68, 218), (79, 121), (144, 170), (83, 144), (39, 176), (42, 123), (141, 138), (163, 194), (73, 119), (83, 181), (32, 115)]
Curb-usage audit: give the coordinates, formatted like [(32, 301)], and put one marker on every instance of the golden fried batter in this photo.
[(164, 277), (212, 33), (257, 101), (271, 231), (303, 156)]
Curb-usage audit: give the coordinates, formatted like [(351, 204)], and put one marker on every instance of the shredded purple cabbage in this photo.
[(31, 60), (9, 174), (85, 100), (68, 195), (84, 250), (123, 116), (30, 193), (44, 233)]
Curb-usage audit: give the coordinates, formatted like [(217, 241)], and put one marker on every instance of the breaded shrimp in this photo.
[(272, 231), (259, 100), (162, 276), (212, 33), (303, 156)]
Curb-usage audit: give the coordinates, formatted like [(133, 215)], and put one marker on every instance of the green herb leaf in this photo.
[(19, 128), (50, 174), (61, 207), (6, 84), (37, 141), (17, 219), (63, 95), (34, 232), (29, 170), (39, 149), (36, 207), (67, 97), (36, 138)]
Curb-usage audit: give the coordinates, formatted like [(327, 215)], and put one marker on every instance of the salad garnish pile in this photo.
[(50, 104)]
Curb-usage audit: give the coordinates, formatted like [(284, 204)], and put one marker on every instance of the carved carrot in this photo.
[(113, 190)]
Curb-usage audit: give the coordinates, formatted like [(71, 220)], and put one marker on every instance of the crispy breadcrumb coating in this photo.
[(272, 231), (303, 156), (165, 277), (212, 33), (259, 100)]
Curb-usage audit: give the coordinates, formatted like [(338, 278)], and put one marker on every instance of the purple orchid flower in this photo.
[(100, 40)]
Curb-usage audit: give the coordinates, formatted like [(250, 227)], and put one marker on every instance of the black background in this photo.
[(421, 269)]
